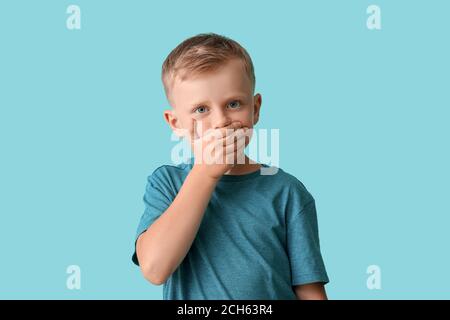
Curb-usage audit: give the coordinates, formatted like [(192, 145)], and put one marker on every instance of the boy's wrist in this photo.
[(198, 170)]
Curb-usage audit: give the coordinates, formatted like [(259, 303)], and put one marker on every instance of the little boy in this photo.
[(214, 227)]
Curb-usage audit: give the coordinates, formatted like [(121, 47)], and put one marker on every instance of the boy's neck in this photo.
[(248, 167)]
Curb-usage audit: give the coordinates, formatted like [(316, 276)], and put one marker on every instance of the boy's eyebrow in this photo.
[(231, 96), (199, 103)]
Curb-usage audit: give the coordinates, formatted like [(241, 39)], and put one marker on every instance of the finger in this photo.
[(193, 130), (229, 139), (231, 128), (238, 134), (223, 132), (190, 130), (240, 142), (219, 146), (195, 127), (220, 150), (236, 155), (240, 154)]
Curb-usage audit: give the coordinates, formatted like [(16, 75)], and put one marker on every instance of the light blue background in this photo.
[(363, 118)]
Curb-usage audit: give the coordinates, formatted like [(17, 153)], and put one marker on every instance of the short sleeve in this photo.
[(157, 199), (303, 245)]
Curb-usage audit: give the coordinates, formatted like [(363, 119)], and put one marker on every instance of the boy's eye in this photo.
[(234, 104), (200, 109)]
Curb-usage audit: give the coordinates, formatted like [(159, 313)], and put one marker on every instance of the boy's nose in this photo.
[(221, 120)]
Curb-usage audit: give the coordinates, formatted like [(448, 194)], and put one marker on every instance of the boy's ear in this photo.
[(172, 119), (256, 107)]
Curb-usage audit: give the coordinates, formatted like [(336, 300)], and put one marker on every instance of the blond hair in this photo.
[(203, 53)]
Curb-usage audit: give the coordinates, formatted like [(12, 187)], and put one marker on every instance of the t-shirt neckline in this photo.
[(237, 177)]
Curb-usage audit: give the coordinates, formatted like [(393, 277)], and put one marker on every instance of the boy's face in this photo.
[(215, 99)]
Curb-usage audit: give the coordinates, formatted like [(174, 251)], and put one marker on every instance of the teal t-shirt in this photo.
[(258, 237)]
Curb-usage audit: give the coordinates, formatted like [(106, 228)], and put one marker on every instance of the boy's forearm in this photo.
[(312, 291), (165, 244)]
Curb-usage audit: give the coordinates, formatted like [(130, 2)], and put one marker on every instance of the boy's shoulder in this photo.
[(172, 168), (294, 185), (167, 173)]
